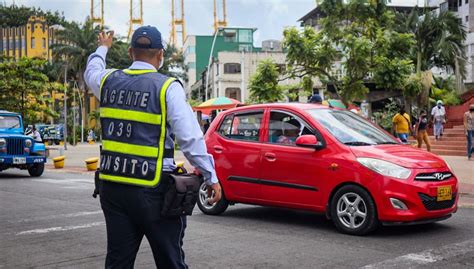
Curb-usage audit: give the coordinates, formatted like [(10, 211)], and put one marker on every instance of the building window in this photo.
[(245, 36), (231, 68), (467, 1), (191, 65), (453, 6), (460, 2), (230, 35), (233, 93), (246, 47), (32, 42), (44, 43)]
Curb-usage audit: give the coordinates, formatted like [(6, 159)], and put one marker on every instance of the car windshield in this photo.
[(349, 128), (9, 122)]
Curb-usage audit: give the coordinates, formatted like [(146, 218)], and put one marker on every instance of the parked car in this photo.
[(18, 150), (308, 156)]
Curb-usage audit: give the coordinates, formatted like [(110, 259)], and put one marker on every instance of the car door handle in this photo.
[(218, 149), (271, 157)]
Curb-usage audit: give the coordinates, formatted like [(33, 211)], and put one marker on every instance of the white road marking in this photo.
[(426, 257), (65, 181), (69, 215), (60, 229)]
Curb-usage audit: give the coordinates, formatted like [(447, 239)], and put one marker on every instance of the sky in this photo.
[(270, 17)]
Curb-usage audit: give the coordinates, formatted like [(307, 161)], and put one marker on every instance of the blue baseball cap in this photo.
[(149, 32)]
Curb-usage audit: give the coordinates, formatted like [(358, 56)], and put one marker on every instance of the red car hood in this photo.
[(403, 155)]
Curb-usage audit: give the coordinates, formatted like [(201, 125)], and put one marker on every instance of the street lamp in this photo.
[(209, 62)]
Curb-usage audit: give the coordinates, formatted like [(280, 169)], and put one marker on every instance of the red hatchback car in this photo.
[(316, 158)]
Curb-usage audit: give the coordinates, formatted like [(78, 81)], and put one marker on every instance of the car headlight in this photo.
[(3, 142), (28, 143), (385, 168)]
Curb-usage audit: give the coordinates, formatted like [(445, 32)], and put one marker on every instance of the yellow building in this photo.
[(31, 40)]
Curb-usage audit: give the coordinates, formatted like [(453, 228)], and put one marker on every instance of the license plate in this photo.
[(444, 193), (19, 160)]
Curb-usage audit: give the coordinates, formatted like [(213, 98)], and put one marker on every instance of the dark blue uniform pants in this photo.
[(132, 212)]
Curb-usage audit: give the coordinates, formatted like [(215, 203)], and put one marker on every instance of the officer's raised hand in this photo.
[(216, 189), (106, 39)]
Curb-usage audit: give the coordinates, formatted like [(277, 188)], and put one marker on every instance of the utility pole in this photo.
[(65, 107), (217, 21), (97, 19), (136, 16), (175, 22), (74, 117)]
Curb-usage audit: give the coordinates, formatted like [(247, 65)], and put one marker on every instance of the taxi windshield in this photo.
[(349, 128), (9, 122)]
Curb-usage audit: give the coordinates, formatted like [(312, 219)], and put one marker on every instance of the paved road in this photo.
[(52, 222)]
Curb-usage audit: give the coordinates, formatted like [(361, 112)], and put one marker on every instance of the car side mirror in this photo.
[(308, 141)]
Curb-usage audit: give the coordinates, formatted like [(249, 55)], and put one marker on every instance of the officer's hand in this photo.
[(216, 189), (105, 39)]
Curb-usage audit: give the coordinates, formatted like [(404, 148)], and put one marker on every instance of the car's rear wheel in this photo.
[(206, 207), (36, 170), (353, 211)]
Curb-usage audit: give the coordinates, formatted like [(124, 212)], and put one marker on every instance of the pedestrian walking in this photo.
[(401, 125), (142, 111), (420, 130), (469, 129), (315, 99), (438, 114)]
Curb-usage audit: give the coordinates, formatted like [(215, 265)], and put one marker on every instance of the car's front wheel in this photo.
[(206, 207), (36, 170), (353, 211)]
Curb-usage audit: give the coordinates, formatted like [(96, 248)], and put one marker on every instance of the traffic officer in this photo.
[(141, 111)]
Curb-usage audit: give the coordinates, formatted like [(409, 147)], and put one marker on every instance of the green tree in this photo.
[(118, 56), (174, 63), (263, 84), (444, 89), (76, 43), (18, 15), (24, 88), (439, 38), (357, 42)]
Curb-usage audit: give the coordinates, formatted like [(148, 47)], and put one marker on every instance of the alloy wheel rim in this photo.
[(351, 210), (203, 197)]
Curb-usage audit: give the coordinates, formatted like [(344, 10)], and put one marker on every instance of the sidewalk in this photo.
[(75, 156)]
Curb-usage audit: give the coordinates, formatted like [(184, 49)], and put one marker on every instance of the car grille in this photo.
[(431, 204), (437, 176), (15, 146)]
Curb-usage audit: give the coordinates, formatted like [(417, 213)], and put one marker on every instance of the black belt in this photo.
[(168, 153)]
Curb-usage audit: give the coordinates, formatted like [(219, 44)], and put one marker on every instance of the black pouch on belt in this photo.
[(181, 195)]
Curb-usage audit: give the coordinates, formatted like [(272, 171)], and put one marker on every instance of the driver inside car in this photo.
[(291, 131)]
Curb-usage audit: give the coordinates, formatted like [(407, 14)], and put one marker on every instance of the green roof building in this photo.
[(198, 47)]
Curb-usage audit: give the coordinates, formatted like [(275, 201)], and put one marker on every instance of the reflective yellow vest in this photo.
[(133, 121)]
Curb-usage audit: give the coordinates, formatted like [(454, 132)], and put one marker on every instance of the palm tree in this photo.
[(439, 38), (75, 43)]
